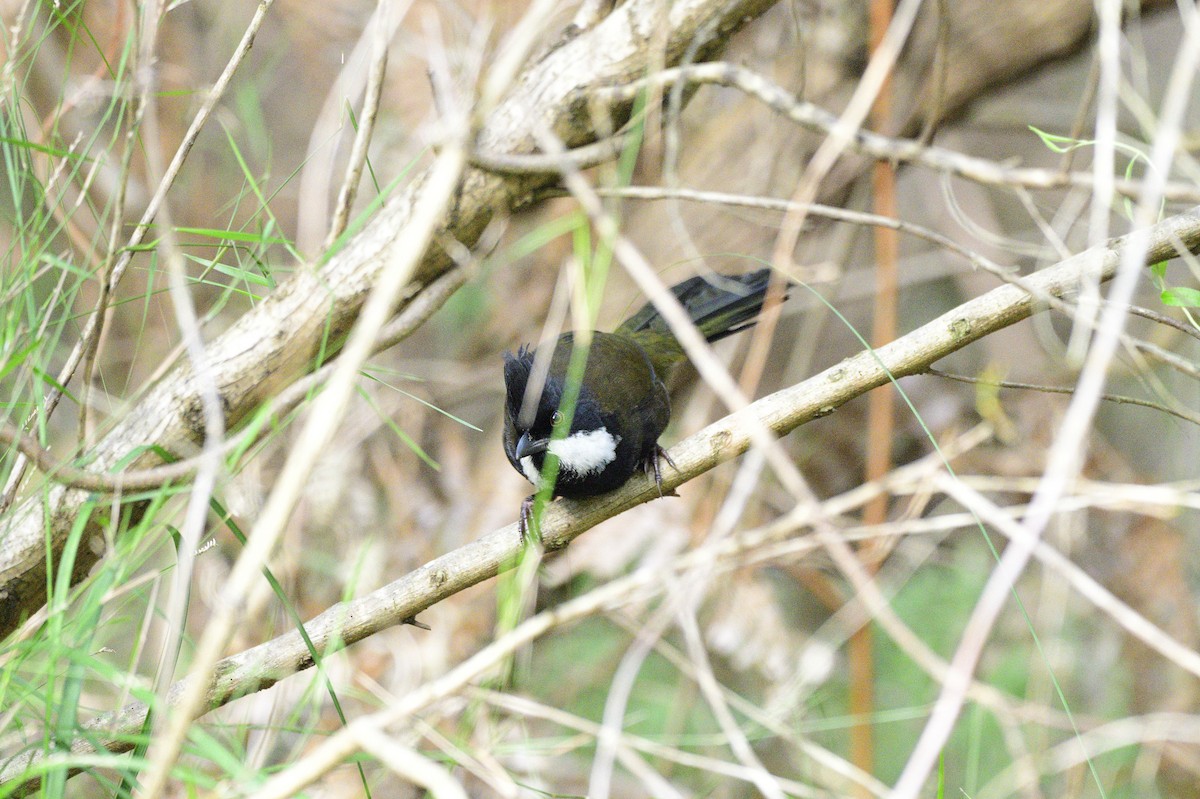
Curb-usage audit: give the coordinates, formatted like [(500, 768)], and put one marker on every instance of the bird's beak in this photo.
[(530, 446)]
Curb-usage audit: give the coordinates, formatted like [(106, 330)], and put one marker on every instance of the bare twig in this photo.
[(380, 29), (1178, 413), (585, 157), (1120, 734), (170, 626), (522, 707), (1163, 319), (411, 765), (874, 145), (1133, 622)]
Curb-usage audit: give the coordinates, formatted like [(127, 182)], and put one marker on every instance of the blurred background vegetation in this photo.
[(417, 469)]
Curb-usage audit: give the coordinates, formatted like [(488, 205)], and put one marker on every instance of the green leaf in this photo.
[(1181, 297), (17, 358), (243, 274), (233, 235), (41, 148), (1059, 144)]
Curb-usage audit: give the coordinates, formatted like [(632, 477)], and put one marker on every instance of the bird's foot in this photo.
[(525, 521), (654, 468)]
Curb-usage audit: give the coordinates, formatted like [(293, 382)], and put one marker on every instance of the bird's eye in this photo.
[(556, 418)]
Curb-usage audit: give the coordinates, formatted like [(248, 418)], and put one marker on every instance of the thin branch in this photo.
[(1164, 356), (410, 764), (1124, 733), (523, 707), (172, 621), (886, 148), (1115, 398), (115, 231), (1163, 319), (813, 209), (1133, 622), (380, 28), (585, 157)]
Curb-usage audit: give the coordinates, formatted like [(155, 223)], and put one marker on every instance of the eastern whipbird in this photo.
[(622, 407)]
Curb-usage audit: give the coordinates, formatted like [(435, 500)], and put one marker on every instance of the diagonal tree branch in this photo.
[(264, 665), (278, 341)]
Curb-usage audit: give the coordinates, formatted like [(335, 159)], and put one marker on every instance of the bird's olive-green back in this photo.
[(717, 305), (618, 369)]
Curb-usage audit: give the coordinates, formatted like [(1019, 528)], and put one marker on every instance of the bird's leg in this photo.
[(652, 464), (525, 518)]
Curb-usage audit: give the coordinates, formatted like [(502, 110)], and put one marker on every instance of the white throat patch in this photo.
[(586, 453), (580, 454)]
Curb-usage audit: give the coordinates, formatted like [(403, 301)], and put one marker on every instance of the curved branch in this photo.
[(1116, 399), (874, 145)]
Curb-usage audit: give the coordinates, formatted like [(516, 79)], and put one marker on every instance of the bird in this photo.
[(622, 405)]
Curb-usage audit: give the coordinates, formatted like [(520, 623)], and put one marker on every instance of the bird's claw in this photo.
[(525, 520), (654, 468)]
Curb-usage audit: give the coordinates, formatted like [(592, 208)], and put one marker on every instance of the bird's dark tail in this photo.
[(719, 305)]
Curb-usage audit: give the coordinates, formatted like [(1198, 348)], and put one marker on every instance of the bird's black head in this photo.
[(588, 449)]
